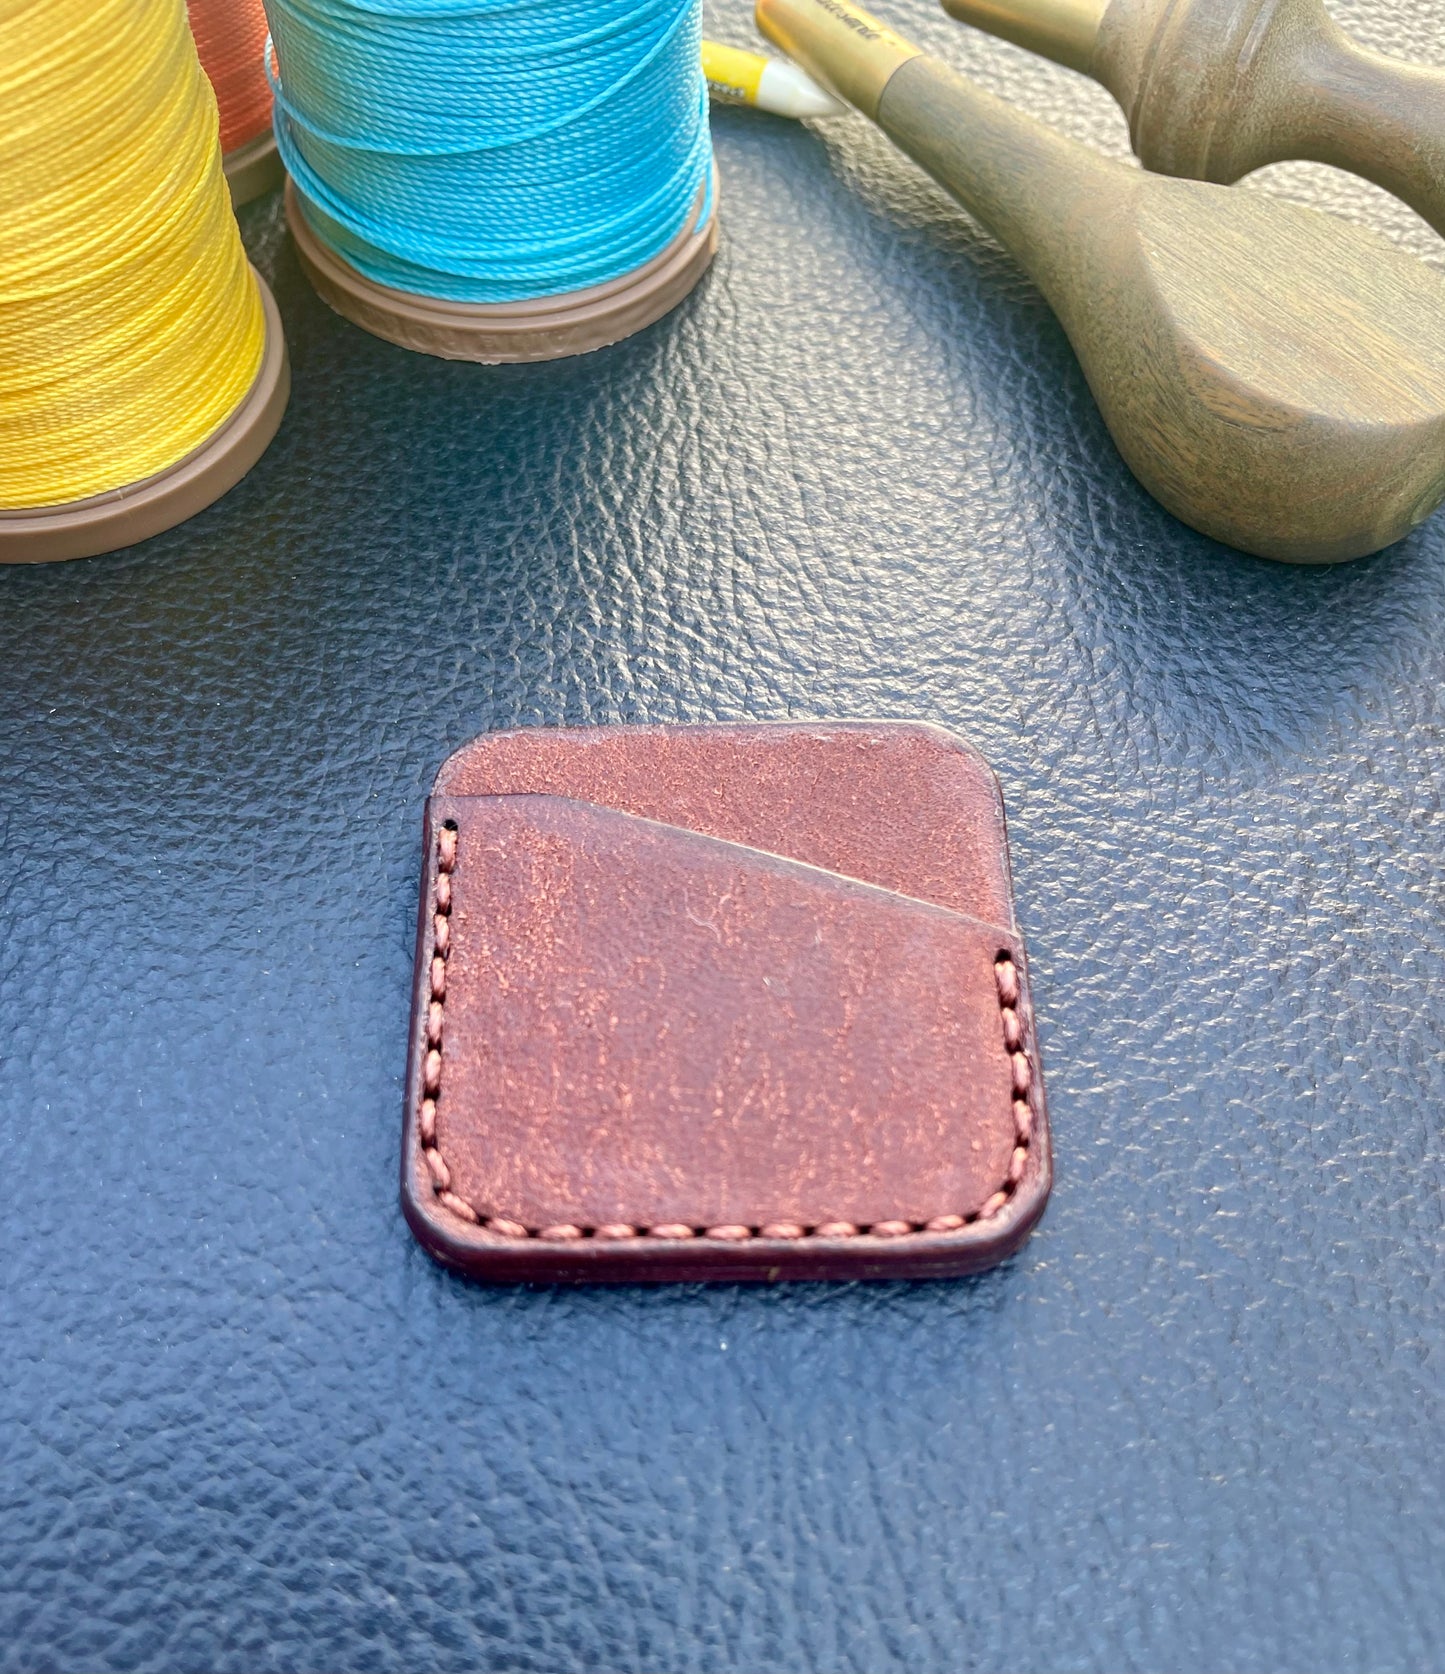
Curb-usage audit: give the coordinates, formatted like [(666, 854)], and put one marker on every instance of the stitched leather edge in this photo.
[(1006, 981)]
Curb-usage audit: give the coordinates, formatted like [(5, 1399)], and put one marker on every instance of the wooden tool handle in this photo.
[(1312, 92), (1064, 30), (1274, 376), (1214, 89), (1021, 179)]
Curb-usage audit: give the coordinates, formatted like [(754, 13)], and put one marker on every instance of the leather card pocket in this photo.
[(641, 1050)]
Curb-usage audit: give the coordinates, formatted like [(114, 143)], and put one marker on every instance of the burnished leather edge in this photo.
[(481, 1253)]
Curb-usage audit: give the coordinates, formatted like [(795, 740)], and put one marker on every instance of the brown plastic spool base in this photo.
[(123, 516), (495, 334), (253, 169)]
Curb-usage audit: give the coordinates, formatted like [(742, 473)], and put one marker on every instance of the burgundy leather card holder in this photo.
[(735, 1002)]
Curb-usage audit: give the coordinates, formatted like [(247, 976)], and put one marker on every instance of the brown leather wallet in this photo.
[(737, 1002)]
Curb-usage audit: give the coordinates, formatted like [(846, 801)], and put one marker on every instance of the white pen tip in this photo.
[(786, 90)]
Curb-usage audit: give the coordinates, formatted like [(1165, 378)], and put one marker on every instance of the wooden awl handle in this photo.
[(1214, 89)]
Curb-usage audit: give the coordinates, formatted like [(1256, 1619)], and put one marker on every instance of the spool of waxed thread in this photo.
[(142, 366), (231, 40), (503, 181)]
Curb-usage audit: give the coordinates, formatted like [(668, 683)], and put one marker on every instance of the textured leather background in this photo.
[(245, 1423)]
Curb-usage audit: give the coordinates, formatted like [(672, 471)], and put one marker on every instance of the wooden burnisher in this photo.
[(1274, 376), (1216, 88)]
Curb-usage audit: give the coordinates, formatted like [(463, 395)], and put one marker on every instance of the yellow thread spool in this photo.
[(142, 365)]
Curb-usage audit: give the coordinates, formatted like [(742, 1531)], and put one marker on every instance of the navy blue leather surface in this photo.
[(246, 1424)]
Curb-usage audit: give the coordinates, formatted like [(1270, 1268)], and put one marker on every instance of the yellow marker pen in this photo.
[(735, 77)]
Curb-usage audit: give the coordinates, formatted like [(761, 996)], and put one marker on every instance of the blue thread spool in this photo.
[(496, 180)]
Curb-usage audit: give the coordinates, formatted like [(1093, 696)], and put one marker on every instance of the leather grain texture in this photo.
[(906, 807), (641, 1051), (245, 1422)]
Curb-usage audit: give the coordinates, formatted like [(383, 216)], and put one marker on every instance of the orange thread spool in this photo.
[(231, 39)]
